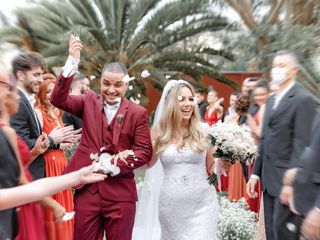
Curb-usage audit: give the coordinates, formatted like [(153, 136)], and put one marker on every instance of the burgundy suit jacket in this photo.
[(132, 133)]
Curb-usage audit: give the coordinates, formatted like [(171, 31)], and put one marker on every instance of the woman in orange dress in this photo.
[(55, 164), (237, 182)]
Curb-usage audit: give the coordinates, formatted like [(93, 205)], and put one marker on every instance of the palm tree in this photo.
[(143, 34)]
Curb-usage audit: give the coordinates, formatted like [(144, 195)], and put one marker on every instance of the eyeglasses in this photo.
[(8, 85)]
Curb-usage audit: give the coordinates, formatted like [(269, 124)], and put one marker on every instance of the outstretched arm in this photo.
[(37, 190)]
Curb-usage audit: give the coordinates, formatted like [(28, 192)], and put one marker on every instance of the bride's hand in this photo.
[(226, 164)]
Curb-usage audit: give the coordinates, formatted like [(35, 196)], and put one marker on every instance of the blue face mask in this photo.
[(278, 75)]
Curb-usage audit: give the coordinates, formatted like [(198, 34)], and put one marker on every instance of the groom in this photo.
[(111, 124)]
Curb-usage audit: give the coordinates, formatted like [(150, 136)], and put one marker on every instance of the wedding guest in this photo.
[(31, 224), (246, 90), (214, 111), (285, 133), (301, 192), (237, 184), (10, 168), (260, 96), (202, 103), (80, 85), (231, 109), (55, 162), (28, 69)]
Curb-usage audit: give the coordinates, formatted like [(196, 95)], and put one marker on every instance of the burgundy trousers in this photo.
[(94, 215)]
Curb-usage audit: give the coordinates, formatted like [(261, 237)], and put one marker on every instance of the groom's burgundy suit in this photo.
[(110, 204)]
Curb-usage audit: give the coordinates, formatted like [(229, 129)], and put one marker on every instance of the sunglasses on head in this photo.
[(8, 85)]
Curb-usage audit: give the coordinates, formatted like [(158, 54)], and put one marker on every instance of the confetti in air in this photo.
[(136, 101), (145, 73), (127, 78)]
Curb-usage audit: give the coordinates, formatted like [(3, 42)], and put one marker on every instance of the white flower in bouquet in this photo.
[(233, 143)]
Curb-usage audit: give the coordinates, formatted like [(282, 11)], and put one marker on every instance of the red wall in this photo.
[(224, 90)]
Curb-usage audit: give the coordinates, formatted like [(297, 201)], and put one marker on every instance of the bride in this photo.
[(177, 203)]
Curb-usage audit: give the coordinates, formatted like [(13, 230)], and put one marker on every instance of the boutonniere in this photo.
[(119, 119)]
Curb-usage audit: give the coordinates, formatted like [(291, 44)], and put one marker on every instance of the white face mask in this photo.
[(278, 75)]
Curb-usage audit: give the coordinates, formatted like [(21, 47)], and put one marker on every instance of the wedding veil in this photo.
[(147, 226)]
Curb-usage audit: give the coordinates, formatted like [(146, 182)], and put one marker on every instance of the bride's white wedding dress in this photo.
[(188, 205)]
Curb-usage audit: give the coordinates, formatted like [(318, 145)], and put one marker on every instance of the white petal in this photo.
[(145, 73), (127, 78)]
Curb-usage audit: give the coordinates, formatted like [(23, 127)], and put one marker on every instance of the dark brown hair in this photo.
[(242, 104), (26, 61)]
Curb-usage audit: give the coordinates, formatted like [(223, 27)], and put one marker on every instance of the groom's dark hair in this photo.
[(115, 67)]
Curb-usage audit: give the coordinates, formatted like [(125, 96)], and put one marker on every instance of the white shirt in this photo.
[(70, 67), (30, 98), (111, 110), (279, 95)]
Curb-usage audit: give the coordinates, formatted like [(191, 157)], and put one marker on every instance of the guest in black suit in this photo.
[(28, 68), (285, 133), (301, 191), (79, 86)]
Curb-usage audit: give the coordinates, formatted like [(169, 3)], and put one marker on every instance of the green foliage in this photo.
[(144, 34), (303, 40)]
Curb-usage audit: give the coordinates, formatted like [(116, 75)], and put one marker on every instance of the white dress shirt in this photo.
[(111, 110), (70, 67), (280, 94)]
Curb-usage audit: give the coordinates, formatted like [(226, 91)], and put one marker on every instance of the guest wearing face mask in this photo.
[(286, 132)]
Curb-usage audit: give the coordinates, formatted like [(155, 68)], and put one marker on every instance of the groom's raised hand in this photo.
[(75, 47)]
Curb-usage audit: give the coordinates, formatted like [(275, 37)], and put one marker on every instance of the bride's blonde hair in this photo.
[(170, 124)]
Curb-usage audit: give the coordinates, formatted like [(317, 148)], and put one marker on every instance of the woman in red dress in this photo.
[(261, 94), (213, 114), (214, 111), (55, 163), (260, 97), (31, 224)]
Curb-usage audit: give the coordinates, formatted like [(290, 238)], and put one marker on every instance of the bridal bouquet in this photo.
[(234, 143)]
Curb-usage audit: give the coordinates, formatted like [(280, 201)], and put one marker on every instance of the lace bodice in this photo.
[(188, 206)]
